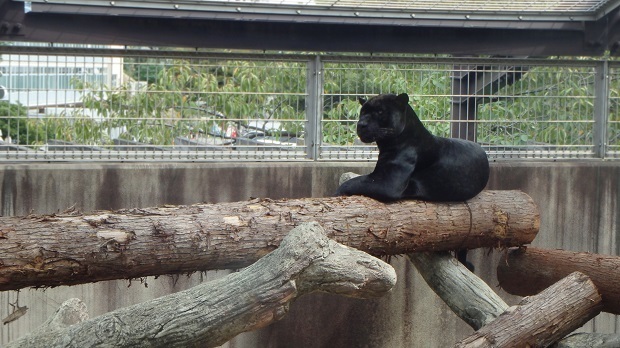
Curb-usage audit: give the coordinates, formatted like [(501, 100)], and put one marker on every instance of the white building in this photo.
[(44, 83)]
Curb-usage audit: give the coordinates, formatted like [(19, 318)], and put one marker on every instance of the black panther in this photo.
[(413, 163)]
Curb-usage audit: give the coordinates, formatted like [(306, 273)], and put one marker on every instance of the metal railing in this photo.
[(113, 104)]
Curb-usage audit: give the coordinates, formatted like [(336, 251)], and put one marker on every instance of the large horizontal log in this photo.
[(527, 271), (210, 314), (543, 319), (66, 249)]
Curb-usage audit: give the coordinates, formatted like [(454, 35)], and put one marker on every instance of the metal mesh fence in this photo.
[(513, 108), (546, 111), (63, 104), (145, 107), (427, 83), (613, 124)]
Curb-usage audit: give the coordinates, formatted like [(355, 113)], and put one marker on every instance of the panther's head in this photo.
[(382, 117)]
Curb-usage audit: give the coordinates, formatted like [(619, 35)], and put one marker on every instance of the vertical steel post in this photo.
[(601, 108), (314, 107)]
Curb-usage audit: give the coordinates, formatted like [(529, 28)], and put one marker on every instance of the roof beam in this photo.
[(510, 38)]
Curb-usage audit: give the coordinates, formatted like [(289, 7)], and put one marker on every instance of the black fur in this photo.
[(412, 162)]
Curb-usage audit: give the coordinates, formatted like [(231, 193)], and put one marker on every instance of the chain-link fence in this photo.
[(67, 103)]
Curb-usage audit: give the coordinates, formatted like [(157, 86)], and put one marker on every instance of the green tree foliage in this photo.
[(171, 98), (14, 123), (143, 69), (549, 105), (426, 85), (201, 96)]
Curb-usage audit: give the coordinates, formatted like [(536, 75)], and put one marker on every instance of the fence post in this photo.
[(314, 107), (601, 108)]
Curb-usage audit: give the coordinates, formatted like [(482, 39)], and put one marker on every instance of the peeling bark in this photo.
[(589, 340), (212, 313), (472, 300), (543, 319), (66, 249), (527, 271)]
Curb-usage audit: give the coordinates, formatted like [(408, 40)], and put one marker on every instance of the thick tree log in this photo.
[(527, 271), (476, 303), (541, 320), (468, 296), (65, 249), (589, 340), (210, 314)]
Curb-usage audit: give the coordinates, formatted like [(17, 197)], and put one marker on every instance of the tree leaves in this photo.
[(168, 98)]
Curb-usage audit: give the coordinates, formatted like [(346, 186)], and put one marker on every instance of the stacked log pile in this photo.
[(294, 247)]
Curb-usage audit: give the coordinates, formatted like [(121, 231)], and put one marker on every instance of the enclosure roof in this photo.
[(501, 6), (511, 27), (445, 9)]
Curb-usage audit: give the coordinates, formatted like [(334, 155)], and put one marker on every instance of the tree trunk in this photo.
[(543, 319), (528, 271), (65, 249), (210, 314)]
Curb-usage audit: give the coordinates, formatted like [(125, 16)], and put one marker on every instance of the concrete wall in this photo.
[(579, 211)]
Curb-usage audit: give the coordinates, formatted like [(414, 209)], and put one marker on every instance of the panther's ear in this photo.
[(403, 98), (361, 100)]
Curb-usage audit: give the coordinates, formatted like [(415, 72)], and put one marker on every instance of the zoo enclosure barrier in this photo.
[(67, 103)]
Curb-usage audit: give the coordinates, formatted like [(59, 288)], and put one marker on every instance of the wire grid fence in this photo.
[(138, 105), (540, 111), (428, 85), (514, 109), (613, 129), (177, 107)]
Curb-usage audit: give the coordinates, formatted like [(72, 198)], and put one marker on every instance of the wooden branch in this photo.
[(476, 303), (528, 271), (589, 340), (542, 319), (210, 314), (468, 296), (72, 311), (65, 249)]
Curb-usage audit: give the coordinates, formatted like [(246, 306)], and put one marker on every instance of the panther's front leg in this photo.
[(384, 184)]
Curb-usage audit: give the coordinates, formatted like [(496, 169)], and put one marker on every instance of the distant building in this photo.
[(44, 83)]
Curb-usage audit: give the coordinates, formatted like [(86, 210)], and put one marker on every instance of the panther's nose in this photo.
[(362, 124)]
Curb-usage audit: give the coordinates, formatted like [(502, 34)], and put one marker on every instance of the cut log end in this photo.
[(528, 271), (544, 318)]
